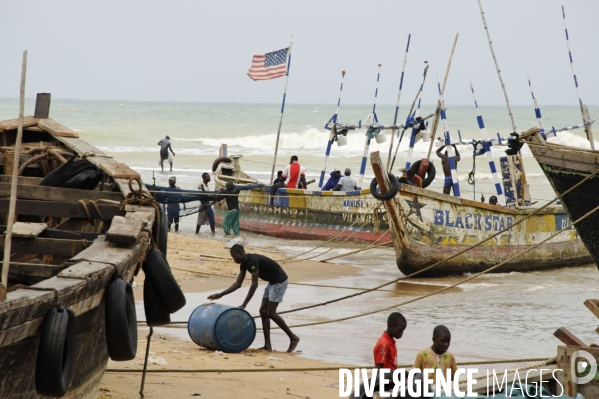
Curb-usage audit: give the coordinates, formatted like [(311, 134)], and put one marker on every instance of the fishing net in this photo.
[(180, 203)]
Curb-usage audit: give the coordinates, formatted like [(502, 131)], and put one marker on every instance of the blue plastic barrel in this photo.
[(221, 327)]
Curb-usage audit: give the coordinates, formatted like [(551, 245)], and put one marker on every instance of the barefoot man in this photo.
[(267, 269)]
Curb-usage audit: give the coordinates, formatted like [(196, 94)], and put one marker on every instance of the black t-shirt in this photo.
[(268, 269), (231, 198)]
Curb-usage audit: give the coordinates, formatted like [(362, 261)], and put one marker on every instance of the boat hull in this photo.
[(312, 215)]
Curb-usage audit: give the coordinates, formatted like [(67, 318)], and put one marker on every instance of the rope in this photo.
[(143, 198), (328, 368), (444, 288), (145, 368), (89, 215)]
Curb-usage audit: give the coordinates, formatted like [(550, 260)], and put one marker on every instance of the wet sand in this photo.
[(510, 315)]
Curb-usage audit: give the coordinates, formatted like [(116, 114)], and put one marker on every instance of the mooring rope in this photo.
[(327, 368)]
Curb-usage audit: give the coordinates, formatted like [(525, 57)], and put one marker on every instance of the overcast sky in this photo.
[(192, 50)]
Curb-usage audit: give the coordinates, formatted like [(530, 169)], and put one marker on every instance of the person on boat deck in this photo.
[(172, 209), (413, 179), (231, 219), (346, 183), (277, 184), (493, 200), (206, 215), (165, 145), (333, 180), (437, 356), (295, 174), (448, 183), (385, 351), (262, 267)]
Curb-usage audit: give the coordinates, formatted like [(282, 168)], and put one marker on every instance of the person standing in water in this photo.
[(262, 267), (165, 145), (206, 215)]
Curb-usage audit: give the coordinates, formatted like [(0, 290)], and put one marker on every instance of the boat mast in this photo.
[(13, 186), (274, 161), (334, 119), (416, 115), (583, 108), (396, 131), (526, 192), (371, 118)]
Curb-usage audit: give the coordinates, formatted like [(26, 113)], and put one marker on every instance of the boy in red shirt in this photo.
[(385, 351)]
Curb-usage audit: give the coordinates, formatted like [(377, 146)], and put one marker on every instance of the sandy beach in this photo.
[(194, 262)]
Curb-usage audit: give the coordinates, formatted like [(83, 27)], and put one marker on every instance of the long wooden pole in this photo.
[(13, 186), (439, 102), (274, 161)]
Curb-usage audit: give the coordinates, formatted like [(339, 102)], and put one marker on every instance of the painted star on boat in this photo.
[(415, 207)]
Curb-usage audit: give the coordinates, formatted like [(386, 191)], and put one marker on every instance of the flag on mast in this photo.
[(269, 66)]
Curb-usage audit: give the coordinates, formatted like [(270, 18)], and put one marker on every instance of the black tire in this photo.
[(156, 313), (163, 231), (431, 172), (158, 271), (389, 194), (56, 354), (218, 160), (121, 320)]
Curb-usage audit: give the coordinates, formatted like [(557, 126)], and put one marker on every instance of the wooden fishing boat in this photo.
[(303, 214), (565, 167), (69, 246), (428, 227)]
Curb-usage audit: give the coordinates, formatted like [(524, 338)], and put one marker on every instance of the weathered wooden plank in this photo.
[(568, 338), (22, 298), (46, 246), (22, 180), (124, 186), (27, 230), (60, 209), (81, 147), (55, 128), (42, 105), (122, 257), (119, 170), (87, 271), (593, 306), (20, 332), (568, 165), (33, 271), (14, 123), (59, 194), (147, 218), (138, 208), (34, 129), (124, 230)]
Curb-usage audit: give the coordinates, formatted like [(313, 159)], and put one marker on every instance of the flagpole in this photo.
[(274, 161)]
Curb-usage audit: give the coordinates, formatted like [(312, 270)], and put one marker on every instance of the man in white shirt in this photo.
[(346, 183)]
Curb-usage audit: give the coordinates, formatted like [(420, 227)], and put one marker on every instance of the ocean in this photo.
[(503, 315)]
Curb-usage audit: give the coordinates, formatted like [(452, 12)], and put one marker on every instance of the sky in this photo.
[(197, 50)]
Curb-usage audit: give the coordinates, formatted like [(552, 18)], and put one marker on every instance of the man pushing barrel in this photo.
[(263, 267)]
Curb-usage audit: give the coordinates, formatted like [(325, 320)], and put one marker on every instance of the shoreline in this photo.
[(213, 270)]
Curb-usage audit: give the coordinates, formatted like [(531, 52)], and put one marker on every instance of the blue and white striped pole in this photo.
[(487, 147), (450, 155), (334, 119), (415, 115), (372, 118), (537, 109), (394, 132), (582, 107)]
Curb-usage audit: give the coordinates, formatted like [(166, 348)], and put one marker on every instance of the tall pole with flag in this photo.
[(271, 66)]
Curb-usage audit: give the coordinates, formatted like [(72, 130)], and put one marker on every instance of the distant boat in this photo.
[(564, 167)]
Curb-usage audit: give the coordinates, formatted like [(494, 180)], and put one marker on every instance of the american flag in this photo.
[(269, 66)]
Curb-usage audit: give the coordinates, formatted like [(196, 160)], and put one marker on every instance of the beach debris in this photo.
[(217, 353), (196, 394), (158, 361), (237, 240)]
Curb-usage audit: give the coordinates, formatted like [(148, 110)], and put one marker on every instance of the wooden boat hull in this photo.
[(311, 215), (565, 167), (429, 227)]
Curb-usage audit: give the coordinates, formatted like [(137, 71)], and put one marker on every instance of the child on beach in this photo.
[(437, 356), (385, 351)]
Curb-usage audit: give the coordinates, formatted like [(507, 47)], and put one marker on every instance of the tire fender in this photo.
[(218, 160), (56, 354), (393, 189), (156, 312), (121, 320), (159, 273), (420, 168)]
